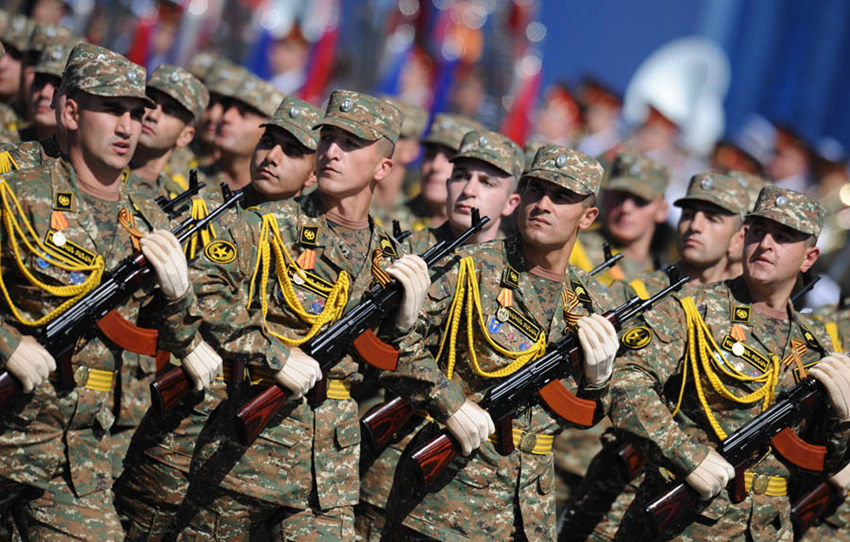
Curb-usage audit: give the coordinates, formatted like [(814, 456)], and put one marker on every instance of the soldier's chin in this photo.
[(460, 221)]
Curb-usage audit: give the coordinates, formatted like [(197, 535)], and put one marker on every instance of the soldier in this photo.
[(484, 178), (156, 476), (15, 40), (388, 203), (42, 36), (180, 99), (633, 207), (441, 143), (742, 344), (526, 295), (753, 185), (56, 475), (300, 476)]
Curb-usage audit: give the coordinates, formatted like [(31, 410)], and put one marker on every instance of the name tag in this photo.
[(747, 353), (69, 249)]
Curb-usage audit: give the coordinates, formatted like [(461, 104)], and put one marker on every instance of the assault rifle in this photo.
[(398, 234), (62, 334), (679, 504), (818, 502), (383, 421), (327, 348), (537, 380), (175, 207), (809, 281)]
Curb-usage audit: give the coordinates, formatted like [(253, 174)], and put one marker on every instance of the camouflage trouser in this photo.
[(119, 442), (148, 496), (573, 450), (57, 514), (369, 522), (226, 515)]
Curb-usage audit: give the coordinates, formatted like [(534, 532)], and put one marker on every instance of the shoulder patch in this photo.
[(309, 236), (386, 244), (811, 341), (510, 277), (636, 337), (580, 291), (220, 251), (741, 314), (64, 201)]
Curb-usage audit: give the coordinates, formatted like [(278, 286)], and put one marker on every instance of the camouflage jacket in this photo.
[(625, 270), (10, 122), (51, 429), (33, 153), (308, 449), (648, 380), (489, 481)]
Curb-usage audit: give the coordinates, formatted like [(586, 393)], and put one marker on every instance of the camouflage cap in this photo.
[(101, 72), (46, 34), (181, 85), (494, 149), (638, 175), (414, 118), (299, 118), (18, 32), (54, 57), (567, 168), (448, 129), (251, 90), (530, 151), (202, 63), (789, 208), (223, 77), (751, 183), (721, 190), (363, 115)]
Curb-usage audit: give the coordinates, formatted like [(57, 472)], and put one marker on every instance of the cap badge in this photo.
[(100, 56), (132, 75), (57, 54), (345, 106), (174, 77), (294, 112), (634, 169), (781, 201), (249, 85), (707, 183), (561, 160), (483, 141)]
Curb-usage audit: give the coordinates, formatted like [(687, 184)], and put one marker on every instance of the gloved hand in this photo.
[(164, 253), (833, 372), (470, 425), (202, 365), (711, 475), (30, 363), (412, 273), (841, 479), (299, 373), (599, 342)]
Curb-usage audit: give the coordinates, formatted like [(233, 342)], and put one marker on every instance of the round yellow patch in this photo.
[(220, 251), (637, 337)]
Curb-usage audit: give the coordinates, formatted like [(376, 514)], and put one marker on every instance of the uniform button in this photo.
[(528, 442), (760, 482), (81, 375)]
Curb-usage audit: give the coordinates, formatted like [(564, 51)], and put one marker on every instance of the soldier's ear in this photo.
[(809, 259), (71, 113), (186, 136), (382, 169), (587, 217)]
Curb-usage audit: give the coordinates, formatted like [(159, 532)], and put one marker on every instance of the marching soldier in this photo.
[(78, 220), (15, 39), (742, 344), (156, 476), (525, 295), (300, 476)]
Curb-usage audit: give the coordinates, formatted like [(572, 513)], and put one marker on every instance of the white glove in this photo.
[(711, 475), (470, 425), (599, 342), (202, 365), (300, 373), (833, 372), (841, 479), (412, 273), (30, 363), (164, 253)]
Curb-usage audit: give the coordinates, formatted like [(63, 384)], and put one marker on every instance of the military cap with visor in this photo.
[(789, 208), (54, 57), (567, 168), (243, 86), (298, 118), (18, 33), (720, 190), (182, 86), (494, 149), (101, 72), (365, 116), (448, 129), (638, 175), (414, 118)]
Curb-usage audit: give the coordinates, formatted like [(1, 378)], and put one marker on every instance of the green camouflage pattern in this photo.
[(626, 270), (567, 168), (101, 72), (249, 89), (751, 183), (223, 77), (10, 123), (789, 208), (487, 489), (18, 32), (47, 34), (61, 443), (720, 190), (414, 118), (31, 154), (202, 63), (492, 148), (54, 57), (639, 175), (365, 116), (646, 388), (530, 151), (448, 129), (181, 85), (299, 118)]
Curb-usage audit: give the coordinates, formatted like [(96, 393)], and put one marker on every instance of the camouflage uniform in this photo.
[(55, 467), (16, 36), (649, 375), (302, 470), (156, 474), (648, 180), (488, 494)]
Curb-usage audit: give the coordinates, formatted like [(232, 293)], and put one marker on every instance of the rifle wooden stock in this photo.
[(169, 389), (331, 345), (678, 504), (382, 422), (815, 504), (431, 460), (632, 461)]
